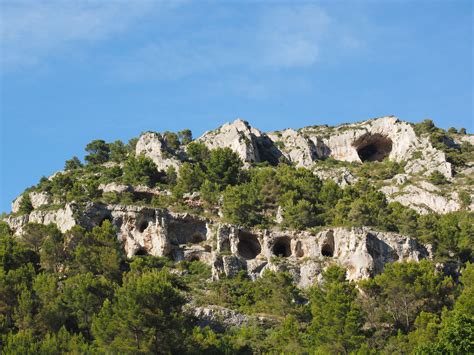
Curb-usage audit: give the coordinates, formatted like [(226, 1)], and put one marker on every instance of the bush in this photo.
[(25, 204), (437, 178)]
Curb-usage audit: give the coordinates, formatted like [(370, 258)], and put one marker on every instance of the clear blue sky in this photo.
[(74, 71)]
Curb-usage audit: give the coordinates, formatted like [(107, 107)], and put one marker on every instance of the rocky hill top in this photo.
[(354, 238), (138, 186)]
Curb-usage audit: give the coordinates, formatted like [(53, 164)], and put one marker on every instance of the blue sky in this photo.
[(74, 71)]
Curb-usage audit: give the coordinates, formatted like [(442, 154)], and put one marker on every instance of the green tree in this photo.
[(98, 252), (140, 170), (223, 167), (197, 151), (299, 215), (72, 164), (83, 295), (241, 205), (53, 253), (25, 204), (171, 139), (190, 178), (185, 136), (118, 151), (171, 175), (14, 253), (395, 297), (143, 317), (34, 234), (337, 321), (98, 152)]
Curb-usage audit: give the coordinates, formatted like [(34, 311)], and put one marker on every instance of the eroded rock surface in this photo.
[(153, 146), (230, 249)]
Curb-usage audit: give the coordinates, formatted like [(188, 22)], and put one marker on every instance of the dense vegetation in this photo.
[(76, 292)]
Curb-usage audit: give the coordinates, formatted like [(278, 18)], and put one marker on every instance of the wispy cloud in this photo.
[(31, 31), (281, 38)]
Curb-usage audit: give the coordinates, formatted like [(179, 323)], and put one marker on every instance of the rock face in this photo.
[(371, 140), (424, 199), (249, 143), (64, 218), (153, 146), (38, 199), (230, 249)]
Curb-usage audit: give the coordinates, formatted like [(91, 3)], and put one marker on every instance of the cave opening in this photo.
[(141, 252), (299, 249), (197, 238), (248, 246), (282, 247), (106, 218), (187, 231), (373, 147), (143, 226), (327, 250)]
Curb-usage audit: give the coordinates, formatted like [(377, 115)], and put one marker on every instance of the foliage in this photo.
[(144, 316), (72, 164), (98, 152), (118, 151), (25, 204), (140, 170), (185, 136), (338, 319), (437, 178)]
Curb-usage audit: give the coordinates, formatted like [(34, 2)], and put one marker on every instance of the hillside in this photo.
[(323, 239)]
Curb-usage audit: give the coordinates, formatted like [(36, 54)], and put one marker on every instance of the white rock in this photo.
[(154, 147)]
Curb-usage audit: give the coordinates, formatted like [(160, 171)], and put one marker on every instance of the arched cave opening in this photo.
[(299, 249), (282, 247), (143, 226), (141, 252), (327, 250), (105, 218), (197, 238), (373, 147), (248, 246)]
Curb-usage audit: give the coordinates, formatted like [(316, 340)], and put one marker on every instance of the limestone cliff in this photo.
[(229, 248)]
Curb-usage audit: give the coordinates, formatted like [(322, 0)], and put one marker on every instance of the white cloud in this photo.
[(292, 37), (281, 38), (30, 31)]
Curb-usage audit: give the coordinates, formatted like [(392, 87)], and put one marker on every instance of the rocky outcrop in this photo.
[(64, 218), (374, 140), (298, 148), (230, 249), (38, 199), (153, 146), (424, 199), (371, 140), (220, 318), (249, 143)]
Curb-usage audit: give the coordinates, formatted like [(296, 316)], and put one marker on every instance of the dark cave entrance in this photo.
[(141, 252), (327, 249), (373, 147), (299, 249), (282, 247), (143, 226), (248, 246)]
